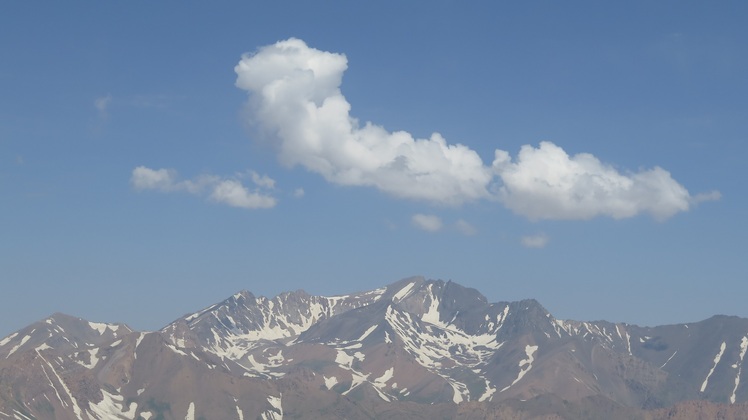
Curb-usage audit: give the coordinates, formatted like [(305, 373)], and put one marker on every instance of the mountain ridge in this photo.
[(413, 343)]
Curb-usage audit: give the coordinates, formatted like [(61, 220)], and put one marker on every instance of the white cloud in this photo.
[(226, 191), (465, 228), (298, 192), (154, 179), (233, 193), (547, 183), (262, 180), (296, 102), (710, 196), (102, 103), (295, 99), (535, 241), (427, 222)]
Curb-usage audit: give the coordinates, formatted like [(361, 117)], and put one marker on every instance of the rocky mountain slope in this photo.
[(414, 349)]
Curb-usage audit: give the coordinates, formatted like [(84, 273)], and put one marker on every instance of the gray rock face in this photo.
[(416, 348)]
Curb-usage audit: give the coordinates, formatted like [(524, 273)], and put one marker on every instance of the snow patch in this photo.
[(488, 393), (23, 341), (276, 412), (382, 395), (98, 326), (7, 339), (43, 346), (432, 315), (400, 295), (276, 360), (386, 376), (377, 293), (356, 379), (743, 348), (502, 316), (367, 332), (330, 382), (197, 314), (176, 350), (190, 412), (530, 352), (276, 402), (112, 407), (93, 360), (20, 416), (342, 358), (456, 387), (353, 346), (717, 358), (137, 343), (266, 369), (76, 408), (671, 356)]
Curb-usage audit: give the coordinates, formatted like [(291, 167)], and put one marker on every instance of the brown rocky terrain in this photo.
[(414, 349)]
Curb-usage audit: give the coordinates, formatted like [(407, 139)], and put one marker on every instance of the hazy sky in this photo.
[(156, 157)]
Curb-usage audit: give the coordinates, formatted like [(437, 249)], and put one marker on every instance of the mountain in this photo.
[(414, 349)]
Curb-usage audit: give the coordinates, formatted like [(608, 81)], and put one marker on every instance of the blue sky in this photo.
[(143, 177)]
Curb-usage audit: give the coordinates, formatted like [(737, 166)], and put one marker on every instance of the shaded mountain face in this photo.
[(414, 349)]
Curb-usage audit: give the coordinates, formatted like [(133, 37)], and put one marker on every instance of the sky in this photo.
[(157, 157)]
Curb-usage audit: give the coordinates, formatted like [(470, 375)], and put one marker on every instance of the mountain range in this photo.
[(416, 348)]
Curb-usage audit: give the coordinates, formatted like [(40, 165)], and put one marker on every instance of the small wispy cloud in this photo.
[(298, 192), (710, 196), (229, 191), (427, 222), (102, 105), (263, 181), (233, 193), (539, 240), (465, 228)]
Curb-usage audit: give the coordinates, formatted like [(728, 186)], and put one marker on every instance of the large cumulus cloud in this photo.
[(296, 101)]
